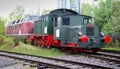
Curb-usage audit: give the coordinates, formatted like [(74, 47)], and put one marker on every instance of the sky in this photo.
[(30, 6)]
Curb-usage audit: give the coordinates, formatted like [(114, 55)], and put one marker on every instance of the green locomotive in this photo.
[(68, 30)]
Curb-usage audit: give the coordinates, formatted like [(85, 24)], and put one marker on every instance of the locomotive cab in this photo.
[(61, 25), (81, 33)]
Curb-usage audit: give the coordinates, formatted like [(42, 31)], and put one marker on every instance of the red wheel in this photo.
[(94, 51), (80, 50), (75, 50), (63, 48)]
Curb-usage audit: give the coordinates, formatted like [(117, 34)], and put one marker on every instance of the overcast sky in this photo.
[(30, 6), (6, 6)]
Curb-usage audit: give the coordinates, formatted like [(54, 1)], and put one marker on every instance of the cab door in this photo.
[(56, 27)]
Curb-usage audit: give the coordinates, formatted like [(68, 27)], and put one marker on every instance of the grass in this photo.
[(113, 46), (31, 68), (34, 50), (5, 42), (7, 45), (112, 49)]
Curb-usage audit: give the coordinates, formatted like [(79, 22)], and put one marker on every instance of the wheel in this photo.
[(94, 51), (80, 50), (75, 50), (63, 48)]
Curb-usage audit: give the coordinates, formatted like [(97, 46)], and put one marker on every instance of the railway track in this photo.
[(101, 55), (112, 60), (106, 56), (112, 55), (111, 51), (50, 62)]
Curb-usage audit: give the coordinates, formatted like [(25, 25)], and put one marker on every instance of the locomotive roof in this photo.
[(63, 10), (80, 15), (85, 16), (56, 13)]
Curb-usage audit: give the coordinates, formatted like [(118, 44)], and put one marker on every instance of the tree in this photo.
[(86, 9), (103, 12), (113, 25), (2, 25), (107, 16), (17, 13), (45, 11)]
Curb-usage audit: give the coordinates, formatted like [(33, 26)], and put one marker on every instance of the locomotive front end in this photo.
[(90, 37), (86, 36)]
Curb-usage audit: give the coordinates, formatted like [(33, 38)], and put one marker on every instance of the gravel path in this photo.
[(16, 66), (7, 63)]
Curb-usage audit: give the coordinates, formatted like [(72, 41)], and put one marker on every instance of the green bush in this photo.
[(5, 40), (2, 40), (113, 44)]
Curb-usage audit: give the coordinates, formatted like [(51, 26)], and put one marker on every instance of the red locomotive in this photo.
[(24, 26)]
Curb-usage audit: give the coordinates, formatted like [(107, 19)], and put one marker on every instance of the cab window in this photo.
[(55, 19), (65, 21), (87, 20)]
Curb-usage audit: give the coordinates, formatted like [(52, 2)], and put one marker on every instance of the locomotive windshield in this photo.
[(87, 20), (63, 20)]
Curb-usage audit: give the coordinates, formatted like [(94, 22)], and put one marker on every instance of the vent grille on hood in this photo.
[(90, 31)]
